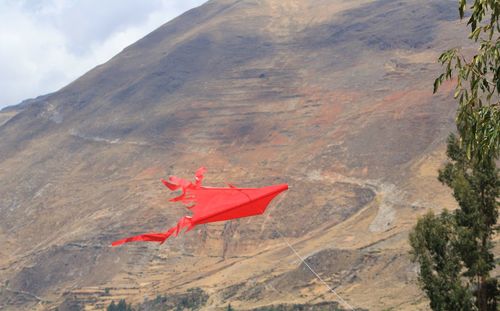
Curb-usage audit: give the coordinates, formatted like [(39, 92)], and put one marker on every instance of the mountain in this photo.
[(333, 97)]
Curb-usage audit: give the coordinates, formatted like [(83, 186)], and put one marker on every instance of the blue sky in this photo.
[(46, 44)]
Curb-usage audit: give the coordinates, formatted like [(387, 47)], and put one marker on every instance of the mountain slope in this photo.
[(333, 97)]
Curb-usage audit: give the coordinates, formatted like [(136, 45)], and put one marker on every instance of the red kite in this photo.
[(211, 204)]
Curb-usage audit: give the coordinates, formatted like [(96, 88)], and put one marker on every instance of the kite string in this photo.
[(314, 272), (302, 259), (286, 60)]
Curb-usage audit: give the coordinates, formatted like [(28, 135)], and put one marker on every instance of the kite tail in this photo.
[(147, 237), (184, 222)]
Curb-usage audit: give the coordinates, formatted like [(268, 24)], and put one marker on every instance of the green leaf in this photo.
[(461, 6), (437, 82)]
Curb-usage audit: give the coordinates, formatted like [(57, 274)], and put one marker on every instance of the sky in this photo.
[(46, 44)]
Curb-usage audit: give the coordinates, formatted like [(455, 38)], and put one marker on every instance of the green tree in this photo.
[(434, 242), (454, 250), (476, 188), (121, 306), (111, 306), (478, 80)]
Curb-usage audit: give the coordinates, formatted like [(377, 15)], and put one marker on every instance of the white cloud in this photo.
[(46, 44)]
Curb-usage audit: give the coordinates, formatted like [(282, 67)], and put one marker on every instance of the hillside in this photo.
[(333, 97)]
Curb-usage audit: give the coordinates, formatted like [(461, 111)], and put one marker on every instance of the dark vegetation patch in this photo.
[(193, 299), (70, 304), (322, 306)]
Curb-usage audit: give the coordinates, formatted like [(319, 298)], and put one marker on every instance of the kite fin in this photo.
[(170, 185)]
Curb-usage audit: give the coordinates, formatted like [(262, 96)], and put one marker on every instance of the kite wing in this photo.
[(211, 205)]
